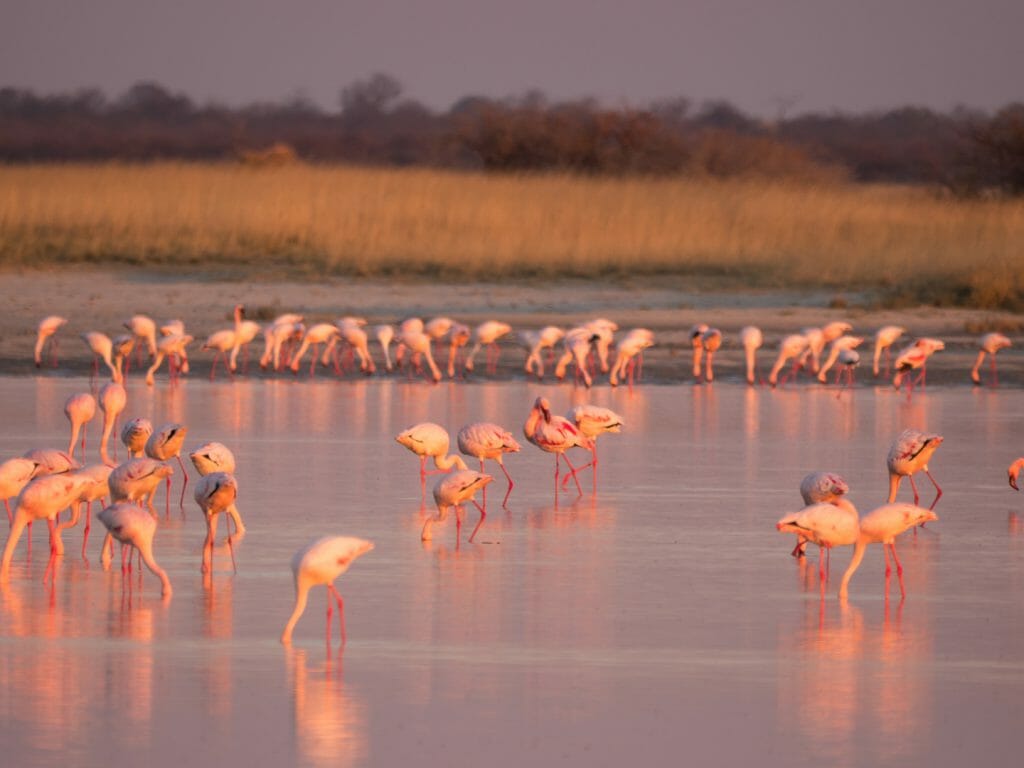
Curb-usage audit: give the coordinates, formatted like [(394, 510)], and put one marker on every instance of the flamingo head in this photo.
[(1014, 472), (544, 407)]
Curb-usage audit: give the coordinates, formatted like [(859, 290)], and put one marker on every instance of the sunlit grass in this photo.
[(306, 220)]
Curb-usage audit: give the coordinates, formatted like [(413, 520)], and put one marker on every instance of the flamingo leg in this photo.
[(483, 514), (938, 490), (231, 546), (574, 472), (914, 486), (184, 485), (341, 611), (821, 564), (53, 548), (511, 485), (88, 525), (10, 517), (899, 569)]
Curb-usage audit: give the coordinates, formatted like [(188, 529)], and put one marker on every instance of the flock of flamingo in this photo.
[(587, 348), (45, 481)]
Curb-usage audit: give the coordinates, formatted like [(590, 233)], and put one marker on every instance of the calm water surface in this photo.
[(661, 622)]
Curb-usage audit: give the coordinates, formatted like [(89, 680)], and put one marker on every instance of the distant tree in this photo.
[(153, 100), (999, 150)]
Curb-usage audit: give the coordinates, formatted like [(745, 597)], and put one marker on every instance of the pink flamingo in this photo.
[(576, 347), (321, 562), (913, 357), (790, 348), (484, 440), (102, 348), (355, 336), (843, 343), (458, 337), (47, 331), (173, 348), (165, 444), (910, 453), (132, 526), (697, 342), (143, 328), (80, 410), (134, 435), (216, 493), (137, 480), (882, 526), (989, 344), (95, 490), (487, 335), (593, 421), (213, 457), (828, 525), (15, 474), (113, 399), (1013, 472), (885, 337), (628, 352), (385, 334), (430, 440), (555, 434), (453, 491), (711, 341), (819, 488), (751, 338)]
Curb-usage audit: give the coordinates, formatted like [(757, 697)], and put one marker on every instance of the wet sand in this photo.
[(660, 621), (103, 299)]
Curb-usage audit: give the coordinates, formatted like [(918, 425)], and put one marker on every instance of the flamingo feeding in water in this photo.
[(15, 474), (751, 338), (487, 335), (430, 440), (165, 444), (913, 357), (1013, 472), (453, 491), (790, 348), (134, 435), (216, 493), (885, 337), (131, 525), (113, 399), (484, 440), (819, 488), (711, 341), (80, 410), (102, 348), (47, 331), (555, 434), (629, 354), (989, 344), (828, 524), (593, 421), (910, 453), (882, 526), (137, 480), (838, 346), (696, 341), (321, 562)]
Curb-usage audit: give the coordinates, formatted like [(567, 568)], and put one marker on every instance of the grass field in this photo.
[(303, 220)]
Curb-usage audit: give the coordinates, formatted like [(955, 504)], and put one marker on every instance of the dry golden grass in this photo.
[(306, 220)]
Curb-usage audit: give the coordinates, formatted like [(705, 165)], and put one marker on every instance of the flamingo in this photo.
[(845, 342), (458, 337), (137, 480), (50, 461), (576, 345), (177, 328), (216, 493), (384, 335), (418, 344), (627, 352), (80, 410), (47, 331), (882, 526), (438, 327), (42, 499), (989, 344), (790, 348), (913, 357), (131, 525), (486, 335), (224, 343), (910, 453), (810, 358), (847, 360), (321, 562), (15, 474), (484, 440), (134, 435), (121, 348), (144, 329), (604, 329), (885, 337), (95, 490), (819, 488), (275, 335), (213, 457), (751, 338), (697, 342), (164, 444), (1013, 472), (453, 491), (351, 329), (711, 341), (113, 399), (593, 421), (536, 342), (173, 348), (430, 440), (555, 434), (829, 524), (101, 347)]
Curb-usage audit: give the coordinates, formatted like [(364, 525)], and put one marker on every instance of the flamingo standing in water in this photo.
[(95, 490), (790, 348), (101, 347), (134, 435), (819, 488), (143, 328), (882, 526), (593, 421), (576, 349), (430, 440), (696, 341), (828, 525), (751, 338), (113, 399), (838, 345), (173, 348), (458, 337), (384, 335), (989, 344), (213, 457), (487, 335), (47, 331), (351, 329), (216, 493), (910, 453), (711, 341), (555, 434), (536, 342), (453, 491), (628, 354), (321, 562), (913, 357), (165, 444), (80, 410), (484, 440), (15, 474), (137, 480), (885, 337), (131, 525)]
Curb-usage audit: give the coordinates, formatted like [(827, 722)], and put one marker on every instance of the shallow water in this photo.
[(661, 622)]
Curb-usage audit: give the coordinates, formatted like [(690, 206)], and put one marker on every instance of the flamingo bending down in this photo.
[(487, 335), (276, 335), (216, 493), (419, 346), (15, 474), (453, 491), (910, 453), (751, 338), (144, 329), (711, 341), (819, 488), (593, 421), (576, 348), (826, 524), (843, 343), (46, 331), (173, 348), (628, 352), (458, 337), (913, 357), (213, 457), (885, 337), (484, 440), (113, 399), (101, 347), (165, 444), (536, 342), (131, 525), (696, 341), (134, 435), (384, 335), (989, 344), (790, 348), (810, 358), (98, 487), (137, 480), (351, 329), (80, 410), (882, 526), (430, 440), (555, 434), (321, 562)]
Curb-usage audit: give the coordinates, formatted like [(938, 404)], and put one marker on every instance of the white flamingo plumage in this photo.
[(430, 440), (885, 337), (216, 493), (46, 332), (628, 355), (909, 453), (819, 488), (592, 422), (164, 444), (452, 492), (113, 398), (134, 435), (751, 340), (484, 440), (882, 526), (80, 409), (132, 526), (137, 480), (790, 348), (555, 434), (989, 344), (827, 524), (486, 335)]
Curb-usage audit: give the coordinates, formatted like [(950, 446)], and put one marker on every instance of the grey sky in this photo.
[(817, 56)]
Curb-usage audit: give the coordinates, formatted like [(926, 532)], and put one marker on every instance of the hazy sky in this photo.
[(814, 55)]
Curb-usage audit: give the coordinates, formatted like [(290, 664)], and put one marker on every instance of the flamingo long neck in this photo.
[(447, 462), (858, 555), (894, 486), (302, 587), (530, 427), (978, 362), (76, 426), (20, 521), (108, 427), (698, 351), (878, 356), (751, 352), (145, 548)]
